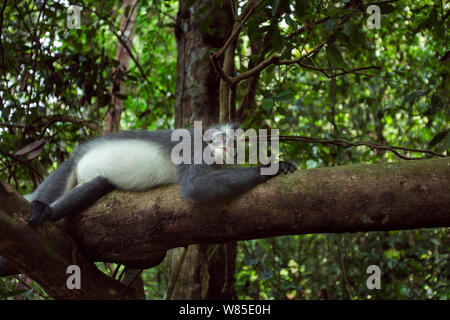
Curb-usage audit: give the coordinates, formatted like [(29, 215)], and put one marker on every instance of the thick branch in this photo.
[(44, 254), (137, 228)]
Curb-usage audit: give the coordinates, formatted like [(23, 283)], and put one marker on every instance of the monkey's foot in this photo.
[(286, 167), (40, 212)]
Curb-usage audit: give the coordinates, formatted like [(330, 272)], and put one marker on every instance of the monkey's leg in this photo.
[(204, 183), (53, 187), (56, 184), (77, 199)]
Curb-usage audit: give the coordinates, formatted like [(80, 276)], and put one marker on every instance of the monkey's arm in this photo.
[(204, 183)]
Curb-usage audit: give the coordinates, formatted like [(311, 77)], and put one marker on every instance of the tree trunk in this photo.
[(197, 88), (127, 23), (200, 271)]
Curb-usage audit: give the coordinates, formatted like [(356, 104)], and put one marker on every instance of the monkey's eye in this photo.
[(218, 137)]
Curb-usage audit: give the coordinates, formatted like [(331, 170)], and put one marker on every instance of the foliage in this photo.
[(414, 265), (405, 103), (70, 72), (49, 70)]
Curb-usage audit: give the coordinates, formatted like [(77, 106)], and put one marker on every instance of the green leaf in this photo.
[(267, 104), (301, 6), (16, 292), (344, 39), (266, 275), (251, 261), (283, 95), (437, 103), (333, 12), (307, 16), (275, 37), (290, 22), (412, 97), (127, 10), (332, 39), (330, 25), (335, 56), (386, 8)]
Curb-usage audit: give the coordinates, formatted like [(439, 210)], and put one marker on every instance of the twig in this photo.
[(30, 287), (246, 13), (323, 70), (47, 121), (347, 144), (296, 61), (123, 42), (176, 273), (17, 159), (132, 281), (2, 11), (276, 61), (309, 26)]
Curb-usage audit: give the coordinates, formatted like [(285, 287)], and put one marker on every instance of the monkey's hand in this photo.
[(286, 167), (283, 167), (40, 212)]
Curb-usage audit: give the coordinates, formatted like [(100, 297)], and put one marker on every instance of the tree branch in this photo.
[(137, 228), (324, 70), (45, 253), (347, 144), (246, 13), (276, 61)]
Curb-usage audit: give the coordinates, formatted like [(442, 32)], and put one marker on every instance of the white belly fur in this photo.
[(129, 164)]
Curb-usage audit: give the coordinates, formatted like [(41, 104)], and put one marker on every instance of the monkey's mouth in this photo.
[(221, 151)]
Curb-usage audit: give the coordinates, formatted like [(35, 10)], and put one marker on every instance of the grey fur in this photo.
[(198, 182)]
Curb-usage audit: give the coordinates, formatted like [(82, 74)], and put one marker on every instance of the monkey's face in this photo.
[(221, 142)]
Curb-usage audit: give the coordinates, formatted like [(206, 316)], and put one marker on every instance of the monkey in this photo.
[(139, 161)]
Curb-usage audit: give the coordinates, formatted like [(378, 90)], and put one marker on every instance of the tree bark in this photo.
[(197, 272), (44, 254), (127, 24), (197, 88), (137, 228)]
